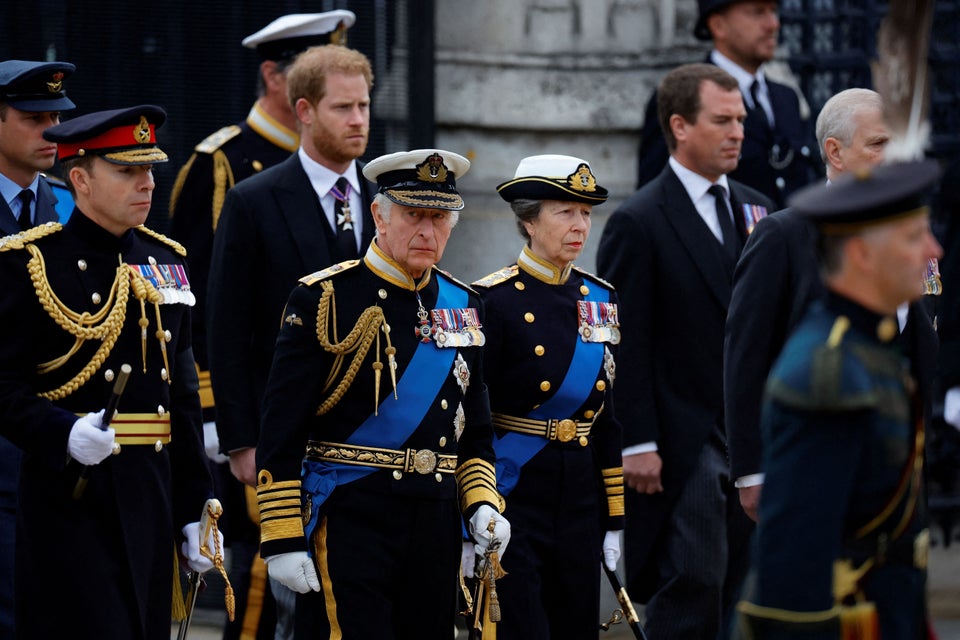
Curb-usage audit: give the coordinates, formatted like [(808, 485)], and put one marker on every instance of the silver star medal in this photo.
[(461, 372), (609, 365), (344, 219), (459, 420)]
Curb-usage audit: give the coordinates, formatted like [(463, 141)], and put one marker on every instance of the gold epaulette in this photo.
[(217, 139), (323, 274), (593, 276), (497, 277), (173, 244), (19, 240), (459, 283)]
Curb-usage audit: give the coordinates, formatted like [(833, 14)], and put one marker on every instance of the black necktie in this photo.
[(731, 239), (26, 197), (755, 95), (343, 219)]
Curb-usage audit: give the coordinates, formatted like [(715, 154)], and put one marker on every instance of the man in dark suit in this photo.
[(31, 99), (670, 250), (777, 153), (279, 225)]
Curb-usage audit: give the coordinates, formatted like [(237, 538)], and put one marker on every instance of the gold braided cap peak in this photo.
[(20, 240), (173, 244)]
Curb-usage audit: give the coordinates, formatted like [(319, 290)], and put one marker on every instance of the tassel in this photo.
[(859, 622), (178, 608)]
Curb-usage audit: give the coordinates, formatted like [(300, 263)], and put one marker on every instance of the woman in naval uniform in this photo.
[(552, 331)]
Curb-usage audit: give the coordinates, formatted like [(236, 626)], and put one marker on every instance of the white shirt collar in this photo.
[(744, 78), (694, 183), (323, 178), (9, 189)]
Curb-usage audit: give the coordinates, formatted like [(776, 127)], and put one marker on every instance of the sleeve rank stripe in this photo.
[(281, 529)]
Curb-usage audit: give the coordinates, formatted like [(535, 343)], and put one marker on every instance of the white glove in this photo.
[(211, 443), (293, 570), (951, 407), (87, 444), (611, 549), (468, 558), (478, 529), (190, 548)]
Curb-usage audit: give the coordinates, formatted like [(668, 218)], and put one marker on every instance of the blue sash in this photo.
[(516, 449), (397, 419)]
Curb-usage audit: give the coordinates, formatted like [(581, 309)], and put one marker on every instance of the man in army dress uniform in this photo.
[(841, 539), (81, 301), (31, 99), (376, 425)]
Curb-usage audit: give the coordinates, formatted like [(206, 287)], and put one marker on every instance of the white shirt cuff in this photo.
[(751, 480), (646, 447)]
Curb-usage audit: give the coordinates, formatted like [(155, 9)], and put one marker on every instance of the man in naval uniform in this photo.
[(82, 301), (376, 441), (31, 99), (842, 539)]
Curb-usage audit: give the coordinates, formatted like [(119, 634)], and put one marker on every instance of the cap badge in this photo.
[(432, 169), (141, 132), (582, 179), (56, 85)]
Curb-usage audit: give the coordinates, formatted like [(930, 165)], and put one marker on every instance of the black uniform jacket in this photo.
[(221, 160), (532, 328), (456, 420), (272, 231), (109, 555)]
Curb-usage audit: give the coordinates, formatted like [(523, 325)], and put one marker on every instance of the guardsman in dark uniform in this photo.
[(267, 137), (80, 301), (31, 99), (842, 539), (552, 333), (376, 424)]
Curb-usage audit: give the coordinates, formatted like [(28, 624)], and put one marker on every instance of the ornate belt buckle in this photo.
[(424, 461), (566, 430)]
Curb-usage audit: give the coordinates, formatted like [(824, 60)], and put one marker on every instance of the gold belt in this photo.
[(141, 428), (422, 461), (563, 430)]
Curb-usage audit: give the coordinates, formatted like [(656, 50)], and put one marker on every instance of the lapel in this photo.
[(700, 244), (299, 207), (46, 204), (8, 223)]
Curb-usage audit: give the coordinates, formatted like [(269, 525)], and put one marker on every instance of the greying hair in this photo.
[(526, 211), (385, 205), (837, 118)]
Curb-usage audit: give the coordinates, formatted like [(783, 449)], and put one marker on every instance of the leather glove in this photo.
[(951, 407), (478, 529), (211, 443), (468, 558), (293, 570), (611, 549), (87, 444), (190, 548)]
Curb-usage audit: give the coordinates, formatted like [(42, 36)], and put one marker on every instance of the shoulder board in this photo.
[(594, 277), (323, 274), (54, 180), (19, 240), (497, 277), (217, 139), (462, 285), (173, 244)]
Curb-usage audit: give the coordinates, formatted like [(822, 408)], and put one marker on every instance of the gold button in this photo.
[(584, 289), (397, 475), (443, 404), (887, 329), (545, 385), (601, 385), (539, 350), (158, 446), (528, 317), (519, 285), (257, 165), (95, 297), (443, 441), (438, 477), (82, 265), (108, 375), (588, 414), (382, 293), (584, 441)]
